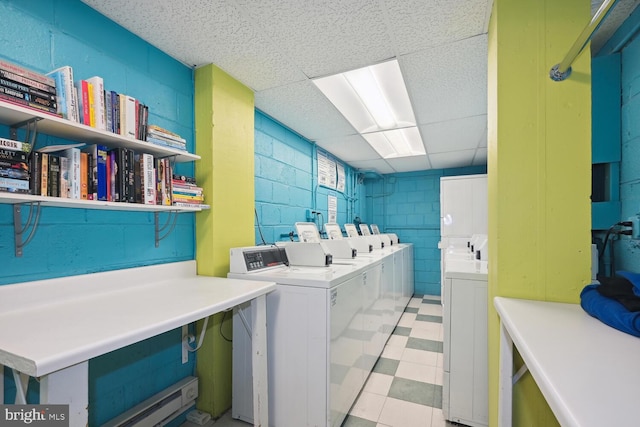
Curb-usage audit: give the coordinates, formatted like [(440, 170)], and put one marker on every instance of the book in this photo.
[(53, 189), (44, 175), (108, 111), (127, 116), (73, 156), (27, 73), (83, 102), (66, 92), (11, 144), (84, 176), (97, 83), (92, 108), (148, 180), (14, 185), (191, 205), (102, 176), (13, 156), (35, 166), (65, 184), (115, 106), (130, 175)]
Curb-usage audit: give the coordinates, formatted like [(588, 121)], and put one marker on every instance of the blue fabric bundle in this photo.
[(610, 311)]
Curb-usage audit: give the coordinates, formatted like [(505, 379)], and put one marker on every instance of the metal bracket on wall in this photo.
[(32, 130), (168, 226), (31, 225)]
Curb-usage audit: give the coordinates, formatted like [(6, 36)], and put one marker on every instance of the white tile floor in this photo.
[(405, 387)]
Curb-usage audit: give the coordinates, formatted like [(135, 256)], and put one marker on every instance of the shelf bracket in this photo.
[(168, 226), (32, 134), (30, 225)]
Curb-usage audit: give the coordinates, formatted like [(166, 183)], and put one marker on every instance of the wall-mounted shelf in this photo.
[(50, 124), (16, 116)]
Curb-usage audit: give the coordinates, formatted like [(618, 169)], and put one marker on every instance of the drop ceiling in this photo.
[(276, 47)]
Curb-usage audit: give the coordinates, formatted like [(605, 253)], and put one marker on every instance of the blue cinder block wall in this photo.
[(408, 204), (43, 35), (286, 183), (626, 43)]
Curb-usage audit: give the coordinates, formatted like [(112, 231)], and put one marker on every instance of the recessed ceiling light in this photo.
[(374, 99)]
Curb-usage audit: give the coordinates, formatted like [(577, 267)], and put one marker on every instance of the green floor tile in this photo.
[(422, 344), (416, 392), (386, 366)]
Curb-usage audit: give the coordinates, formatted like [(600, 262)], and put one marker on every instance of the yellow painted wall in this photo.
[(224, 123), (539, 171)]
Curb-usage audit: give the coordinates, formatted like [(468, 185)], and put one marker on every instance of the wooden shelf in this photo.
[(50, 124)]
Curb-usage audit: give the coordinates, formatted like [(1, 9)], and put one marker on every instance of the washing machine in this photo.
[(318, 352)]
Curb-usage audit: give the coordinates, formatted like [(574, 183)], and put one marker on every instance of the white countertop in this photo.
[(90, 319), (588, 372)]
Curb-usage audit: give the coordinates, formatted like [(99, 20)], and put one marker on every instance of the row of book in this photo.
[(27, 88), (83, 101), (94, 172)]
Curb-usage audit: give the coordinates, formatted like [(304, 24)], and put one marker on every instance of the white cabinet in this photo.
[(463, 205), (465, 381)]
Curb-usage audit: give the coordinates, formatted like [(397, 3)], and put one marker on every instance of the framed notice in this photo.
[(326, 171)]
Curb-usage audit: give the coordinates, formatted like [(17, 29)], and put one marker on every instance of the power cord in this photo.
[(617, 232)]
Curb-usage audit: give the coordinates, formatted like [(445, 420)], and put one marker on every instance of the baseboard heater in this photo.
[(160, 408)]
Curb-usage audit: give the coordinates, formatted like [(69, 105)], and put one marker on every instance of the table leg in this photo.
[(259, 361), (506, 379), (69, 386)]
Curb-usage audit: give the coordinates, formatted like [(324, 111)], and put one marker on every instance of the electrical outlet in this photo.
[(635, 227), (185, 344)]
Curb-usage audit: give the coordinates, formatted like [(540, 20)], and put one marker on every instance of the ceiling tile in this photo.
[(326, 36), (454, 135), (418, 24), (348, 148), (449, 81), (200, 32), (455, 159), (303, 108), (408, 164)]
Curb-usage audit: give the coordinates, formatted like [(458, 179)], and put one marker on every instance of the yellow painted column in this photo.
[(224, 123), (539, 171)]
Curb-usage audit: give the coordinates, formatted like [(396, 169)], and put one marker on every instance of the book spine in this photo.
[(149, 180), (130, 120), (44, 175), (35, 167), (115, 104), (73, 154), (11, 144), (25, 103), (111, 168), (84, 176), (14, 184), (45, 101), (83, 102), (131, 176), (65, 181), (97, 84), (72, 95), (54, 176), (50, 88), (108, 111), (25, 72), (14, 156), (61, 95), (92, 108), (101, 173), (191, 205)]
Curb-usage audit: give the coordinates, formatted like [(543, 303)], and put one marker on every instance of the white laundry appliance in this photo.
[(321, 344), (463, 219), (465, 386)]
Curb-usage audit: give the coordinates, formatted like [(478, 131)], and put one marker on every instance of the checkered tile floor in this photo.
[(405, 387)]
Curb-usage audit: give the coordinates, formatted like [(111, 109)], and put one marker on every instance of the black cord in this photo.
[(221, 322), (610, 230), (255, 211)]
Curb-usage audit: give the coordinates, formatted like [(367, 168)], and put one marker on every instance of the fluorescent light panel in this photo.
[(375, 101)]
